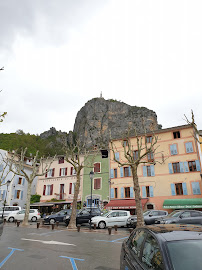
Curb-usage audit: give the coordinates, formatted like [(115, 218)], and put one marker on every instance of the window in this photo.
[(114, 214), (148, 170), (72, 172), (97, 167), (135, 154), (97, 183), (136, 242), (192, 166), (149, 139), (151, 256), (176, 167), (122, 214), (127, 192), (20, 181), (61, 160), (173, 149), (147, 191), (176, 134), (72, 188), (115, 173), (47, 190), (116, 193), (18, 194), (150, 157), (104, 153), (196, 214), (189, 147), (126, 171), (125, 143), (116, 155), (179, 189), (196, 188), (63, 171), (51, 173)]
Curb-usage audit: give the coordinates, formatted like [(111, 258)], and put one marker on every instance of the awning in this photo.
[(42, 204), (182, 203), (124, 204)]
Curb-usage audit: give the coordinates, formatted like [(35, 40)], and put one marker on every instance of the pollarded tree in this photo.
[(196, 133), (2, 115), (16, 165), (136, 149)]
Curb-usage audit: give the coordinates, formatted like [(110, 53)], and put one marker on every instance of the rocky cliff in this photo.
[(99, 117)]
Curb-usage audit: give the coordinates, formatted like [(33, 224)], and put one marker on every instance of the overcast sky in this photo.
[(59, 54)]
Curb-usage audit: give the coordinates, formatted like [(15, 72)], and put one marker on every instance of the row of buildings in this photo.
[(171, 180)]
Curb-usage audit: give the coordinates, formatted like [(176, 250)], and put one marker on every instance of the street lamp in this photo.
[(91, 199), (8, 183)]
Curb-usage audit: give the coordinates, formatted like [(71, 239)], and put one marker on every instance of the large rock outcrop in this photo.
[(99, 118)]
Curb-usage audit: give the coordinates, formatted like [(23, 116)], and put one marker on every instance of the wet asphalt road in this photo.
[(31, 248)]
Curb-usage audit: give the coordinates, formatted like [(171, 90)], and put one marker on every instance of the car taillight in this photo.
[(38, 213)]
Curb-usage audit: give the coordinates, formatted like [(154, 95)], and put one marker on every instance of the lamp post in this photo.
[(8, 183), (91, 199)]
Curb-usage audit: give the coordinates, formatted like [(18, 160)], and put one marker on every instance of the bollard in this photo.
[(57, 223), (43, 222), (15, 220), (37, 225), (18, 223), (52, 225), (4, 220), (115, 228), (94, 226), (109, 230), (78, 228)]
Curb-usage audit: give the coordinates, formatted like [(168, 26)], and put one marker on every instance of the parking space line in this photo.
[(113, 241), (72, 260), (48, 242), (9, 255)]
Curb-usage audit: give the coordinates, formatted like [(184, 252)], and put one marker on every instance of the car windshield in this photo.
[(192, 259), (106, 214), (146, 213), (174, 214)]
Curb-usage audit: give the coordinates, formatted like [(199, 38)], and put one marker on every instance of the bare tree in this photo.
[(133, 157), (2, 115), (4, 172), (196, 133), (16, 165)]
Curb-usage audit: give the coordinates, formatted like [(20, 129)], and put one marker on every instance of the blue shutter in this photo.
[(129, 169), (131, 192), (117, 155), (186, 168), (152, 170), (151, 191), (144, 192), (181, 167), (191, 149), (197, 186), (21, 194), (187, 147), (112, 193), (184, 187), (170, 166), (122, 192), (198, 168), (121, 171), (173, 149), (173, 189), (23, 181), (194, 188), (112, 173), (4, 195), (15, 194), (145, 171)]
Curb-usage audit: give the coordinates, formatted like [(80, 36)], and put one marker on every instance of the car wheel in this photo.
[(101, 225), (34, 219), (52, 221), (11, 219)]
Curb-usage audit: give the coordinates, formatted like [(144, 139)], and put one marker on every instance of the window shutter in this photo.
[(184, 187), (151, 191), (95, 183), (73, 187), (198, 168), (144, 192), (152, 170), (4, 194), (145, 171), (23, 181), (112, 193), (53, 172), (171, 149), (46, 174), (175, 149), (131, 192), (44, 190), (173, 189), (121, 171), (181, 167), (170, 166), (117, 155), (187, 147), (51, 189), (15, 195), (21, 194), (112, 173), (194, 188), (65, 171), (71, 171), (60, 172), (70, 188), (122, 192), (197, 186), (186, 168), (129, 170), (191, 147)]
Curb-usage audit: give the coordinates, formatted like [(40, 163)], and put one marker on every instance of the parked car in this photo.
[(1, 225), (34, 215), (60, 216), (182, 217), (163, 247), (112, 218), (149, 217), (83, 215), (9, 209)]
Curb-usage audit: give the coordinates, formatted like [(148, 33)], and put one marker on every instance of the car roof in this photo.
[(175, 232)]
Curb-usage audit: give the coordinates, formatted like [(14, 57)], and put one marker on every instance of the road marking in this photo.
[(9, 255), (113, 241), (72, 260), (49, 242)]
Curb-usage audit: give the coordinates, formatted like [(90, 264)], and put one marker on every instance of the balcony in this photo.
[(60, 196)]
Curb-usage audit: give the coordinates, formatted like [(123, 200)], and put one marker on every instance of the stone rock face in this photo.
[(99, 117)]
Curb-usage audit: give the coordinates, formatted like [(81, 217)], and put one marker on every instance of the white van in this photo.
[(9, 209)]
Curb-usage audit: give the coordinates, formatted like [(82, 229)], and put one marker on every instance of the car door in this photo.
[(122, 218), (150, 219), (196, 217), (185, 218), (113, 219), (20, 215), (83, 216)]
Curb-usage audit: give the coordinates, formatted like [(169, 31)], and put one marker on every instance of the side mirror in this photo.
[(150, 215)]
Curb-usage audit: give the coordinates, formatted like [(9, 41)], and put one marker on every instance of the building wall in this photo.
[(162, 179), (56, 180)]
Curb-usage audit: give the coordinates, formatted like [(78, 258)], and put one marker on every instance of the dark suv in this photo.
[(150, 217), (83, 215)]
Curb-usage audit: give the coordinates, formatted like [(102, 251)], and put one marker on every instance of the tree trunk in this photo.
[(25, 221), (139, 210), (72, 223)]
